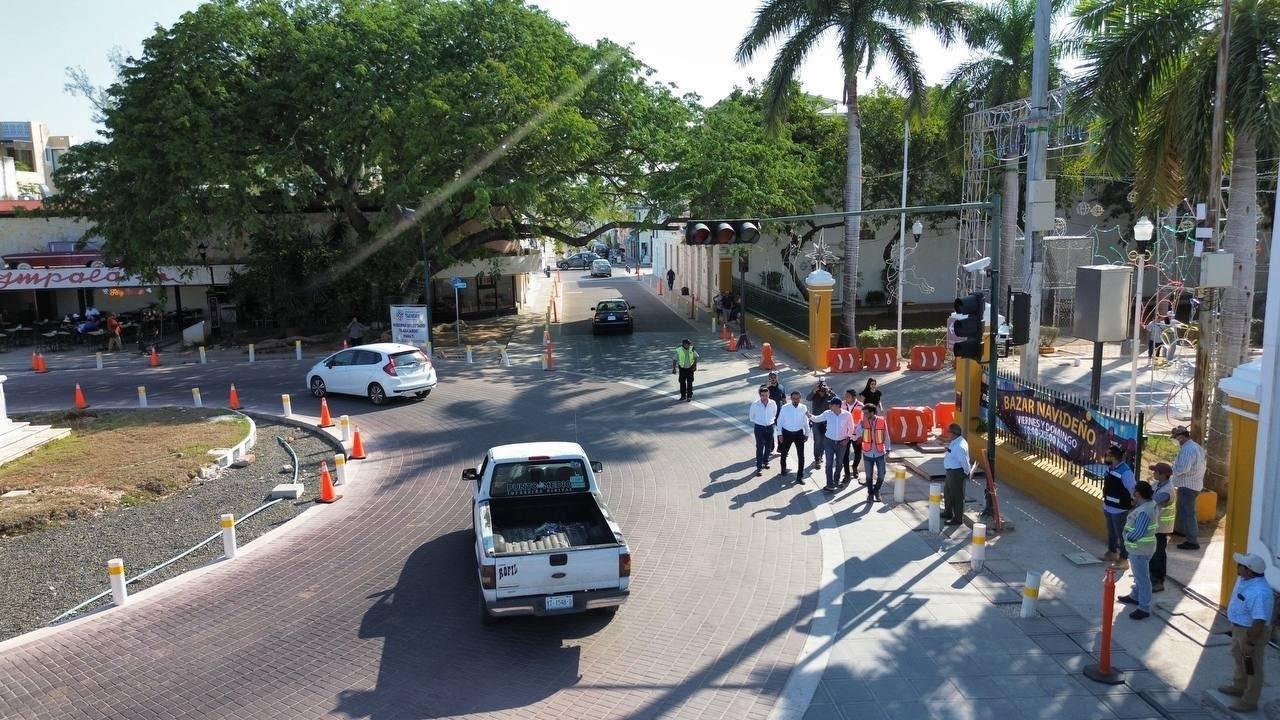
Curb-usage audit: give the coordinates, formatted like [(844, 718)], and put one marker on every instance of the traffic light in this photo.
[(969, 326), (721, 232), (1020, 315)]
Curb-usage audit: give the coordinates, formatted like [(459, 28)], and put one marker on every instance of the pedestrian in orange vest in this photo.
[(874, 434)]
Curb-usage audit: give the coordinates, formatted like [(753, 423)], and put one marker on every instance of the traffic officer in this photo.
[(1250, 611), (1117, 498), (1140, 541), (686, 362), (1165, 499), (956, 464), (793, 426)]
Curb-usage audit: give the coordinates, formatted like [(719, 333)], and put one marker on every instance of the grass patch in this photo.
[(111, 459), (1158, 448)]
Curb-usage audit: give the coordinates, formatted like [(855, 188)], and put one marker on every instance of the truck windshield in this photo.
[(538, 477)]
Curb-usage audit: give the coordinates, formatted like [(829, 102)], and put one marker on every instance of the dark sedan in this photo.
[(613, 315), (580, 260)]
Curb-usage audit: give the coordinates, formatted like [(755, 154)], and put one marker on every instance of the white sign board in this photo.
[(409, 324)]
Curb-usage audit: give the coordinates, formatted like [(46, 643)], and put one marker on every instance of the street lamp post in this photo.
[(1142, 231), (410, 215), (917, 229)]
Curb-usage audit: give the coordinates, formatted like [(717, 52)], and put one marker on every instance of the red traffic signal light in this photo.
[(721, 232)]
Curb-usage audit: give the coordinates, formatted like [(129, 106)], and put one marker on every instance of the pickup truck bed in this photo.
[(522, 525)]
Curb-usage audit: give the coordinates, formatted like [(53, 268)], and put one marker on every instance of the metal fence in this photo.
[(788, 313)]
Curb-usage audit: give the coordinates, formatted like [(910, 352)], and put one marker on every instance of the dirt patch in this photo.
[(476, 332), (111, 459)]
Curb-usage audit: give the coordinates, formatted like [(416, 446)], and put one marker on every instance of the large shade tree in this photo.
[(867, 33), (1149, 78), (485, 115)]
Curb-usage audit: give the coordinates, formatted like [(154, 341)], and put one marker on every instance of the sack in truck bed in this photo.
[(532, 538)]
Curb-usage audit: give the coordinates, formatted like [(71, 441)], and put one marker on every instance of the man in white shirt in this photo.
[(763, 413), (793, 425), (1188, 478), (956, 463), (839, 429), (1250, 610)]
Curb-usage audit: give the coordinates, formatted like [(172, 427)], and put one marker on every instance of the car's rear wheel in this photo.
[(317, 387), (631, 329), (377, 395), (486, 617), (422, 394)]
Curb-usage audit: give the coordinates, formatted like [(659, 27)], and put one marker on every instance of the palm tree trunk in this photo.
[(1010, 264), (1240, 239), (852, 201)]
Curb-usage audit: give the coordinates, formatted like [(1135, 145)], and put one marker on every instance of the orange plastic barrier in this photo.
[(944, 413), (910, 424), (927, 357), (880, 359), (843, 360)]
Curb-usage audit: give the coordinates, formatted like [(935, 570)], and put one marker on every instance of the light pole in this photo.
[(1142, 231), (917, 229), (409, 215)]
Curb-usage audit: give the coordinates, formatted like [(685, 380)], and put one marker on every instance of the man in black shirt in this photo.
[(819, 398), (779, 396)]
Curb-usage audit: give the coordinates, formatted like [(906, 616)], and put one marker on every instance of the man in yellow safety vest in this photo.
[(685, 362)]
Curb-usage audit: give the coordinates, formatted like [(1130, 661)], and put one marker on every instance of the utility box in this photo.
[(1217, 269), (1103, 302)]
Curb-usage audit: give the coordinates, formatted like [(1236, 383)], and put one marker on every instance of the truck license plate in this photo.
[(560, 602)]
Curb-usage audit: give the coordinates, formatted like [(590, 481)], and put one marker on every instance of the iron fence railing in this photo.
[(788, 313)]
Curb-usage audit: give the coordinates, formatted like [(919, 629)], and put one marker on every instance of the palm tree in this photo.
[(1001, 35), (1149, 79), (868, 31)]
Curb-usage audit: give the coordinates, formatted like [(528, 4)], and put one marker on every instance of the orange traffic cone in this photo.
[(357, 445), (41, 367), (327, 495), (80, 401), (724, 332), (325, 420), (766, 358), (659, 287), (235, 398), (35, 361), (733, 344), (155, 357)]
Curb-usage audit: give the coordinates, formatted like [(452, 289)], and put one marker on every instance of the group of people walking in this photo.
[(840, 426)]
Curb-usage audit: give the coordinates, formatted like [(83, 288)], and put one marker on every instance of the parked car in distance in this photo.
[(377, 371), (613, 314), (601, 268), (578, 261)]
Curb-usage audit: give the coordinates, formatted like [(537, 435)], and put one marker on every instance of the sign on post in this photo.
[(409, 324), (458, 284)]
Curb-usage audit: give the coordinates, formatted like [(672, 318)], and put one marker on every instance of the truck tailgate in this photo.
[(549, 573)]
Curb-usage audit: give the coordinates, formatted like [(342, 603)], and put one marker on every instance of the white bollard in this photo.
[(340, 469), (978, 548), (287, 403), (98, 360), (203, 359), (195, 397), (1031, 594), (297, 349), (544, 360), (469, 357), (714, 329), (506, 359), (935, 507), (899, 485), (344, 424), (142, 396), (252, 357), (115, 573), (228, 523)]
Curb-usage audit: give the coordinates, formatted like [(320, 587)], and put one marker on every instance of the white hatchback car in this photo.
[(601, 268), (377, 371)]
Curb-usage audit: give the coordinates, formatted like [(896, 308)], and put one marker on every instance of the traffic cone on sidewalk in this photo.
[(357, 445), (766, 358), (155, 357), (41, 367), (235, 398), (325, 420), (659, 288), (733, 344), (35, 361), (327, 495), (80, 401), (724, 332)]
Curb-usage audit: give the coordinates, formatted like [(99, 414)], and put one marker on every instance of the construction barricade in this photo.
[(844, 360), (880, 359), (944, 413), (910, 424), (927, 357)]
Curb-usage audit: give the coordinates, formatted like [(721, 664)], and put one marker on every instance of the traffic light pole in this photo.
[(992, 508)]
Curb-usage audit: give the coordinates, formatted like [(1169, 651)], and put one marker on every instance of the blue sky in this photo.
[(688, 42)]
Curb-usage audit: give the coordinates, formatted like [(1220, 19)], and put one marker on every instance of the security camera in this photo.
[(977, 265)]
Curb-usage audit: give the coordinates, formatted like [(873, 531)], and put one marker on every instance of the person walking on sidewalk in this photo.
[(1250, 612), (1188, 478), (793, 425), (1117, 498), (852, 403), (1166, 500), (819, 397), (763, 413), (671, 279), (685, 362), (839, 428), (1140, 541), (875, 449), (956, 464), (870, 394), (114, 333), (355, 332), (779, 398)]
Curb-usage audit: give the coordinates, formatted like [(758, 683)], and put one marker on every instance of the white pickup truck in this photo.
[(545, 541)]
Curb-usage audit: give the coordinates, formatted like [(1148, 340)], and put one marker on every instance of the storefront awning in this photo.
[(109, 277)]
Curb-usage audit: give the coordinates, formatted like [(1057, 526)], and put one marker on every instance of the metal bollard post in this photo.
[(287, 403), (251, 354), (203, 359), (899, 485), (115, 573), (470, 358), (1103, 672), (195, 397), (98, 361), (340, 469), (297, 349), (344, 425), (935, 507), (1031, 594), (978, 547), (142, 396), (228, 523), (506, 359)]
